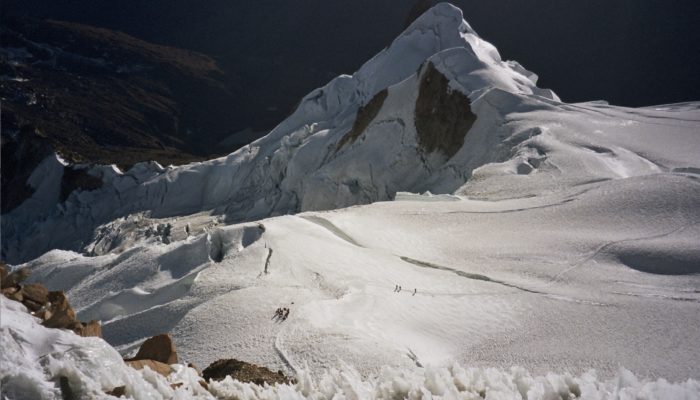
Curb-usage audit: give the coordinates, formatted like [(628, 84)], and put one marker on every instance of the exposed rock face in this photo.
[(77, 179), (37, 293), (51, 307), (34, 296), (95, 95), (365, 115), (20, 156), (62, 314), (243, 372), (158, 348), (443, 116), (118, 391)]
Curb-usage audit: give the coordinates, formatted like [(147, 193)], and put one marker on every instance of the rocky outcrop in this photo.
[(443, 116), (100, 96), (365, 115), (61, 314), (158, 348), (51, 307), (243, 371), (35, 296), (21, 154), (75, 178), (12, 279)]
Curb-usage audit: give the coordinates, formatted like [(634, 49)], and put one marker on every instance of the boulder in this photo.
[(158, 348), (62, 315), (36, 292), (242, 371), (15, 278), (13, 293), (118, 391), (32, 305), (159, 367)]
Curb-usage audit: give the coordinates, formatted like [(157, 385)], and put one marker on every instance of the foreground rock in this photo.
[(243, 371), (51, 307), (158, 348), (12, 279), (156, 353)]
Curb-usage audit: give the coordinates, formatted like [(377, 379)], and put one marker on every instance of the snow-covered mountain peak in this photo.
[(440, 35), (431, 112)]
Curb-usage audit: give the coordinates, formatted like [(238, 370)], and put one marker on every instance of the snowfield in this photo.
[(546, 241), (34, 358)]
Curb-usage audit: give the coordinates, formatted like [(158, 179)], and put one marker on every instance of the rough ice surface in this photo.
[(560, 238), (34, 359)]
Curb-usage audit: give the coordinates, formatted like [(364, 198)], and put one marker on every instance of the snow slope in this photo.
[(34, 359), (549, 282), (561, 237)]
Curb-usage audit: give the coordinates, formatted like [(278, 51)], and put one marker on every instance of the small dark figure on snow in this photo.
[(415, 291)]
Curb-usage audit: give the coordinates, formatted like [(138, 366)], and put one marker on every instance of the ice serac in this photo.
[(305, 163)]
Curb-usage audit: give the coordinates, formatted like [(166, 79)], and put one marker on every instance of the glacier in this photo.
[(525, 231)]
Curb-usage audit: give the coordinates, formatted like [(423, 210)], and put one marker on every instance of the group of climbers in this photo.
[(281, 314)]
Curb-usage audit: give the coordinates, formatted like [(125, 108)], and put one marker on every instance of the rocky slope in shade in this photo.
[(300, 164), (99, 96)]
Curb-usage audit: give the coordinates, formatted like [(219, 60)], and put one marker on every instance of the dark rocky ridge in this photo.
[(443, 116), (103, 96), (99, 96), (364, 117), (20, 155)]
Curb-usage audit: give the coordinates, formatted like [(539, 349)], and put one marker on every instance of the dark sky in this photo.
[(629, 52)]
